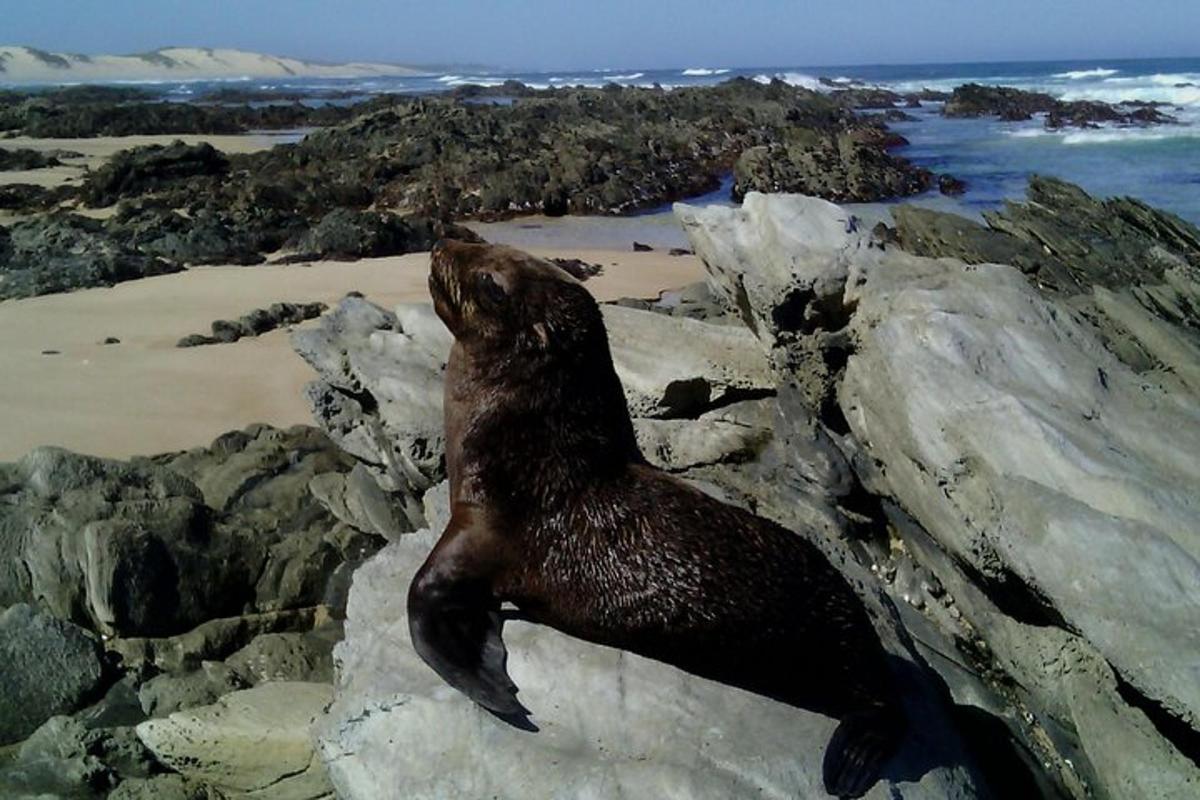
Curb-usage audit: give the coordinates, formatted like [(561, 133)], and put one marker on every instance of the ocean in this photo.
[(1160, 165)]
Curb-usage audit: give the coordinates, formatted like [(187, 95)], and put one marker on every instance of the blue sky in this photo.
[(535, 34)]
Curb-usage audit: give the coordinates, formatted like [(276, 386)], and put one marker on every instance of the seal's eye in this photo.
[(490, 292)]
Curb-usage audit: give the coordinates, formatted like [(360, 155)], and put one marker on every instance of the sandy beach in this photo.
[(146, 396)]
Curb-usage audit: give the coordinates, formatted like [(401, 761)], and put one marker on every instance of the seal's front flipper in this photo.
[(455, 620), (858, 749), (460, 639)]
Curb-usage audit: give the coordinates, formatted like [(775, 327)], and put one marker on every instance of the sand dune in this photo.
[(144, 395), (29, 65)]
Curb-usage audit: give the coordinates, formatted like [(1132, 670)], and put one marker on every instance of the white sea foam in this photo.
[(701, 72), (633, 76), (1084, 74), (794, 79), (449, 78)]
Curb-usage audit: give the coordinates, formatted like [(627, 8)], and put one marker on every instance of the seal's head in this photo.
[(498, 300)]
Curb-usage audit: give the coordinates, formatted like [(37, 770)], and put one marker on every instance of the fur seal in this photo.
[(555, 510)]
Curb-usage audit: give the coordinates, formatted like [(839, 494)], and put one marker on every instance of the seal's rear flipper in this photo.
[(459, 637), (858, 749)]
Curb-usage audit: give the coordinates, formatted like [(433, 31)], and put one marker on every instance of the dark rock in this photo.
[(345, 234), (255, 323), (306, 657), (25, 159), (638, 247), (1016, 105), (110, 340), (950, 185), (679, 251), (62, 252), (579, 269), (1066, 239), (28, 198), (47, 666), (842, 168), (52, 352), (150, 168), (196, 340), (204, 238)]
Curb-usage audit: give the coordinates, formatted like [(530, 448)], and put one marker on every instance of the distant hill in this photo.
[(30, 65)]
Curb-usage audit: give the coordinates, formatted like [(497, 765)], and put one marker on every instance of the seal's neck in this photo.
[(540, 430)]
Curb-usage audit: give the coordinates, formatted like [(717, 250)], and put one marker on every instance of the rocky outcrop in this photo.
[(346, 234), (253, 743), (1016, 105), (1034, 490), (47, 666), (1131, 269), (844, 167), (25, 159), (61, 252), (579, 151), (157, 546), (150, 168), (255, 323), (85, 111)]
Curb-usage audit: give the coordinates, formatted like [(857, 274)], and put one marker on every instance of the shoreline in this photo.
[(145, 396)]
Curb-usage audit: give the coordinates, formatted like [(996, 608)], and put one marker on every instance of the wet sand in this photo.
[(146, 396)]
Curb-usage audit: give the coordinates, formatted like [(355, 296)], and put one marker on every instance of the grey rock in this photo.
[(164, 787), (138, 548), (211, 640), (303, 657), (1052, 480), (356, 499), (47, 667), (166, 694), (253, 743)]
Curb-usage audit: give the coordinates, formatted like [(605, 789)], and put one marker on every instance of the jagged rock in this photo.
[(165, 694), (62, 252), (356, 499), (345, 234), (842, 167), (211, 640), (150, 168), (1134, 271), (47, 667), (256, 323), (709, 365), (1050, 479), (734, 433), (253, 743), (164, 787), (65, 757), (304, 657), (1015, 105), (611, 723), (156, 546), (24, 159)]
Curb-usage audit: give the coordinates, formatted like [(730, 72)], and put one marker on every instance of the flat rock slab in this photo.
[(253, 743)]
